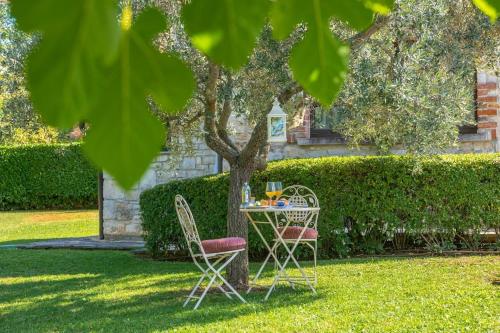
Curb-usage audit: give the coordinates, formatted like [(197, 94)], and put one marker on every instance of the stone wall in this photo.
[(121, 210)]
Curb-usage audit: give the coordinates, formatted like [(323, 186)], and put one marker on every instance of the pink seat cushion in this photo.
[(293, 232), (223, 244)]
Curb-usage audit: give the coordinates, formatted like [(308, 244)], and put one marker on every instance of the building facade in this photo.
[(121, 213)]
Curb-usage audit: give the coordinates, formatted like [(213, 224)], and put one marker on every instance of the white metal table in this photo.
[(273, 217)]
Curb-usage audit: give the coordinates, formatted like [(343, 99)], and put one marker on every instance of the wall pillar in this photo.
[(488, 107)]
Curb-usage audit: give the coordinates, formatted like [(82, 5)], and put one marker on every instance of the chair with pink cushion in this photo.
[(301, 196), (215, 254)]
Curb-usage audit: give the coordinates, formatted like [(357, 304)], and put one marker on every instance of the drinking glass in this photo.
[(278, 189), (270, 191)]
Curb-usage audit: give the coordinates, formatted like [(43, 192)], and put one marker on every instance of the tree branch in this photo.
[(257, 138), (211, 137), (358, 39), (289, 93), (261, 158), (225, 114)]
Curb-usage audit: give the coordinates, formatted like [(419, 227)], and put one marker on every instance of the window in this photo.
[(322, 122)]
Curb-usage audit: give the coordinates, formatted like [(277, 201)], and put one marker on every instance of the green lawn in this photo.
[(22, 227), (84, 291)]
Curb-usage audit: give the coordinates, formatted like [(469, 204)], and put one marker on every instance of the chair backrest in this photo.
[(187, 223), (300, 196)]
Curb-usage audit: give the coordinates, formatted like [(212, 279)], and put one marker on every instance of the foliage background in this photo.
[(365, 202), (46, 177), (413, 81)]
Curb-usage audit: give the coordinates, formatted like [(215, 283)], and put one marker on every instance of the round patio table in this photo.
[(281, 217)]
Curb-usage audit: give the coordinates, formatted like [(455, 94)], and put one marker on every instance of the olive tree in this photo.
[(412, 83)]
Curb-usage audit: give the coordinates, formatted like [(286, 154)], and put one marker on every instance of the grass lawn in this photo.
[(23, 227), (83, 291)]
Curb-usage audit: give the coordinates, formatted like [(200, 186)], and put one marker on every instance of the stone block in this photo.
[(164, 176), (188, 163), (112, 227), (108, 209), (193, 173), (208, 160), (123, 211), (111, 190), (163, 157), (148, 179), (481, 77), (133, 229)]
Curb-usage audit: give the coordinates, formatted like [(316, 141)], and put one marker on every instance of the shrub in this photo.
[(46, 177), (367, 203)]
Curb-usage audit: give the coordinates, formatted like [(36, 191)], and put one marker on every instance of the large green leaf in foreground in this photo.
[(125, 137), (78, 37), (319, 61), (225, 30), (489, 7), (87, 69)]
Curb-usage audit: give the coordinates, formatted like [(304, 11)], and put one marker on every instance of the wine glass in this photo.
[(278, 189), (270, 191)]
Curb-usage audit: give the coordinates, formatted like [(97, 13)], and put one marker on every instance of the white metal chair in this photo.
[(216, 254), (301, 224)]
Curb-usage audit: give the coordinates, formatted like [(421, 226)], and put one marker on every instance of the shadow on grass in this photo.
[(42, 291), (23, 241), (34, 240)]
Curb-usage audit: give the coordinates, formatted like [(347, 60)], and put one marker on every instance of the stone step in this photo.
[(84, 243)]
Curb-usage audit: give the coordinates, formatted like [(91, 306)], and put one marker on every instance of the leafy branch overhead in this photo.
[(89, 68), (318, 62), (489, 7), (126, 137)]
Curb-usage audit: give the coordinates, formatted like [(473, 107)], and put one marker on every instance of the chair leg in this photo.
[(205, 292), (219, 286), (218, 274), (254, 280), (195, 289), (294, 260), (315, 251)]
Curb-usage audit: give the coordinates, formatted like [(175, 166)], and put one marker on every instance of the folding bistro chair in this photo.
[(216, 254), (302, 227)]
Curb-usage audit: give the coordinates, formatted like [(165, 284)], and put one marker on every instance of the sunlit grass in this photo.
[(22, 227), (81, 291)]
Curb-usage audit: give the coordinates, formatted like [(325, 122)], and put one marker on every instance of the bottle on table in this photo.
[(246, 193)]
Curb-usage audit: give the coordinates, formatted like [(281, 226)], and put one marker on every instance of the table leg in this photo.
[(269, 248), (290, 256)]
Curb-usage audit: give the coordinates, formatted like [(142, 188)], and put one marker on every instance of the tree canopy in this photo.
[(413, 81)]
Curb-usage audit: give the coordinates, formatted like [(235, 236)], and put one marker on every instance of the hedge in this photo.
[(46, 177), (368, 204)]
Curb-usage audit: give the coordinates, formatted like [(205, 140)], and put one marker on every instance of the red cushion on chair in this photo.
[(293, 232), (223, 244)]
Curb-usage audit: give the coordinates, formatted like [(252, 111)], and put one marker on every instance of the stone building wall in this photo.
[(488, 107), (121, 210)]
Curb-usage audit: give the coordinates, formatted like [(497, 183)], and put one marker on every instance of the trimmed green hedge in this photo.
[(368, 204), (46, 177)]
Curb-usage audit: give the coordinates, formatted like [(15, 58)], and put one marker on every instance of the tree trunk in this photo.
[(237, 225)]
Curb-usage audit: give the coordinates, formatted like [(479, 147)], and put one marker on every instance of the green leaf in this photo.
[(126, 137), (319, 61), (489, 7), (225, 30), (77, 38), (320, 68)]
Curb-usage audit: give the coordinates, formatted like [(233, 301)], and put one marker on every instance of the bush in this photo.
[(367, 203), (46, 177)]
